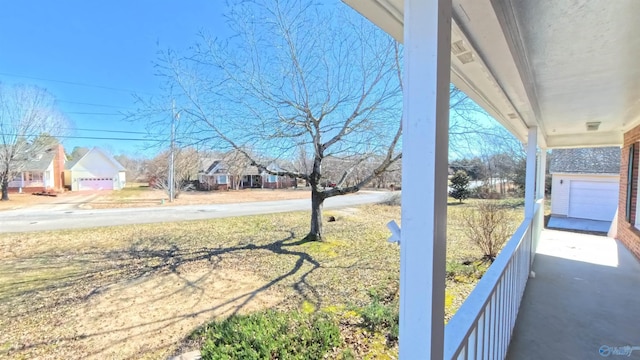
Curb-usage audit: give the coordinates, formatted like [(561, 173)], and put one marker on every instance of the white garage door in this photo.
[(595, 200), (95, 183)]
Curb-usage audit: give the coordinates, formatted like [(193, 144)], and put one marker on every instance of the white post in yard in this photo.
[(427, 61), (530, 175)]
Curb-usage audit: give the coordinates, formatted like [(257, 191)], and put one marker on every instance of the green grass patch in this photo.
[(270, 335)]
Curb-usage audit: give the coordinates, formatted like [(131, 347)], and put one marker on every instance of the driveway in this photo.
[(70, 217)]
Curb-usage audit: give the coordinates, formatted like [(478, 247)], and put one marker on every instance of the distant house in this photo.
[(217, 176), (585, 182), (96, 170), (276, 181), (42, 173)]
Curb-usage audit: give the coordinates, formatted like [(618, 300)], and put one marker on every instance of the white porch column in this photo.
[(427, 39), (542, 169), (540, 189), (530, 179)]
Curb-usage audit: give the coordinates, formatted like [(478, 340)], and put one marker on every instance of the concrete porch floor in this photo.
[(585, 295)]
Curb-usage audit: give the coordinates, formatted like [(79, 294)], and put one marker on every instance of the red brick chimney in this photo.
[(58, 169)]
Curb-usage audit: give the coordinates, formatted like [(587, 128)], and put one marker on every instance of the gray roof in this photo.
[(603, 160), (41, 163)]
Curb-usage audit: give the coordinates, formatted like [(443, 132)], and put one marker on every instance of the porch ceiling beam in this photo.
[(595, 139)]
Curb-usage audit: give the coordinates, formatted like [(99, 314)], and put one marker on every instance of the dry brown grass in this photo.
[(145, 197), (17, 201), (137, 291)]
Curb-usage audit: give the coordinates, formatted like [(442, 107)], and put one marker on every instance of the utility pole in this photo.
[(172, 185)]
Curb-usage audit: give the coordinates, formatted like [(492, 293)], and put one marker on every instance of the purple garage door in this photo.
[(95, 184)]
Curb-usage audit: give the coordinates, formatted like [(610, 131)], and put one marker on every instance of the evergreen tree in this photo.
[(460, 186)]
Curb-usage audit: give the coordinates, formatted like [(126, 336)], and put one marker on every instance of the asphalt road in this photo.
[(24, 220)]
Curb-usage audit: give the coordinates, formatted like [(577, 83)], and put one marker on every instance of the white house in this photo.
[(585, 182), (96, 170), (42, 173)]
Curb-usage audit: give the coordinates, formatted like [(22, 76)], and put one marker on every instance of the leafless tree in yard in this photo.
[(299, 75), (27, 115), (186, 166), (238, 164), (296, 75)]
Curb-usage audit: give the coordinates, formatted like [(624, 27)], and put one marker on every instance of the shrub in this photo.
[(489, 226), (394, 199), (271, 335), (381, 315), (485, 192), (466, 272), (460, 186)]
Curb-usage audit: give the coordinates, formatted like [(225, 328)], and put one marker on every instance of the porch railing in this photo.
[(482, 327), (26, 183)]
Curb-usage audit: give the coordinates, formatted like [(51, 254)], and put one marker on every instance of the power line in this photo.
[(92, 104), (85, 137), (76, 83), (108, 131), (92, 113)]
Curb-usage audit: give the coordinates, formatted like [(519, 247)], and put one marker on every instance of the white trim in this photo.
[(583, 174), (636, 223), (427, 51)]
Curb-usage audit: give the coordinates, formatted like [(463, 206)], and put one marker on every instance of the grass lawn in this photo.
[(17, 201), (139, 291), (142, 196)]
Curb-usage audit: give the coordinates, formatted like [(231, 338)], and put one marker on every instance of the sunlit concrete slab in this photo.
[(584, 299), (568, 223)]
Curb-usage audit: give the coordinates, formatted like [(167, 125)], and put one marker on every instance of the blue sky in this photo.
[(110, 46)]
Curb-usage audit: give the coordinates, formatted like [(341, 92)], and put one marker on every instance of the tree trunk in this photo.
[(5, 188), (317, 199)]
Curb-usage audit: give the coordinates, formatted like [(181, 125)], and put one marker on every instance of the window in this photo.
[(32, 176), (222, 179), (273, 178)]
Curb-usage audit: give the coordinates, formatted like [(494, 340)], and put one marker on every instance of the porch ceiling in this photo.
[(552, 64)]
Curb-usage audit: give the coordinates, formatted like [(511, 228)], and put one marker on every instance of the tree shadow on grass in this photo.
[(137, 262)]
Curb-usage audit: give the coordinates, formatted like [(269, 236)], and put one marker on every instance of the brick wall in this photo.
[(283, 182), (27, 189), (627, 232), (58, 169)]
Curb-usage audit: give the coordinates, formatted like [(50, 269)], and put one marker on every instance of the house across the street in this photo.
[(96, 170), (585, 183), (217, 176), (43, 173)]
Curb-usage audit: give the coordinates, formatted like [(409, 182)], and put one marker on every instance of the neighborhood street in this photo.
[(38, 219)]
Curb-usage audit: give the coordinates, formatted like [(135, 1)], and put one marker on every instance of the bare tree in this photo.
[(237, 165), (27, 115), (136, 167), (186, 166), (298, 75)]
